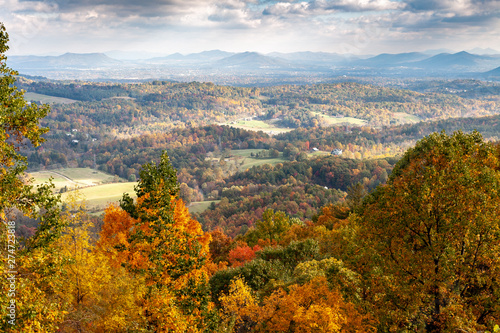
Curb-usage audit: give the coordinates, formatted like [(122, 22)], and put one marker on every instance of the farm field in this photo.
[(258, 125), (406, 117), (99, 197), (73, 177), (46, 99), (241, 159), (244, 155), (200, 206), (331, 121), (99, 189)]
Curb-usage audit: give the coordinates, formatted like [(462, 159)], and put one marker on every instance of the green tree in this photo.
[(19, 127), (272, 226), (433, 234)]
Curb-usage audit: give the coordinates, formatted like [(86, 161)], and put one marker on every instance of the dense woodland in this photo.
[(362, 242)]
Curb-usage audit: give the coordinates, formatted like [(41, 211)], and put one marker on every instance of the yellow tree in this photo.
[(312, 307), (155, 237), (97, 297)]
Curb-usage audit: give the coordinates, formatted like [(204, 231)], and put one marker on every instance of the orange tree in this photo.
[(433, 237), (311, 307), (156, 238)]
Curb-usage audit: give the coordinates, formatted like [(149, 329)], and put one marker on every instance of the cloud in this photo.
[(286, 9), (147, 8), (452, 14), (357, 5), (326, 7), (460, 8), (355, 25)]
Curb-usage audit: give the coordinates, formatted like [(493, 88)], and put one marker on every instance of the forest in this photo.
[(400, 233)]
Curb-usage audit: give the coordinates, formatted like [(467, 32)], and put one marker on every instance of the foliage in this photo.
[(311, 307), (271, 227), (433, 234), (156, 238), (242, 254), (97, 296), (236, 306)]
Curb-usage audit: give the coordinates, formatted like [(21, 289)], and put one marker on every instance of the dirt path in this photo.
[(65, 177)]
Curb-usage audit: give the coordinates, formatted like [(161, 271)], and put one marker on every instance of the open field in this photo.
[(331, 121), (406, 117), (58, 180), (258, 125), (318, 153), (242, 159), (87, 176), (73, 177), (30, 96), (98, 197), (200, 206)]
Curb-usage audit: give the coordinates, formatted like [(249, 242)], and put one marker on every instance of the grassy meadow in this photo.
[(97, 198), (45, 99), (258, 125), (332, 121)]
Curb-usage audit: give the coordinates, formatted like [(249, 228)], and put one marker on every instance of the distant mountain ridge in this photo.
[(495, 73), (67, 60), (408, 64), (205, 56), (387, 59), (252, 60), (462, 59)]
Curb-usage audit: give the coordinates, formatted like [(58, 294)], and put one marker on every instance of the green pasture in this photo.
[(258, 125), (332, 121), (59, 181), (243, 160), (87, 176), (406, 117), (99, 197), (72, 177), (318, 153), (200, 206), (46, 99)]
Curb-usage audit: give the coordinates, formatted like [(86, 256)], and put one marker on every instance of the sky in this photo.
[(162, 27)]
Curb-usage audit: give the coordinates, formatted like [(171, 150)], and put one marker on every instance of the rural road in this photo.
[(65, 177)]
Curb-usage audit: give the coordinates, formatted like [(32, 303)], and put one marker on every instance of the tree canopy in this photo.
[(433, 234)]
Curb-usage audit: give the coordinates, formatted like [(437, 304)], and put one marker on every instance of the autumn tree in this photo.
[(312, 307), (242, 253), (270, 228), (433, 237), (97, 297), (155, 237)]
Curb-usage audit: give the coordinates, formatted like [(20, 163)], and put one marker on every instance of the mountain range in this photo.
[(408, 64)]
